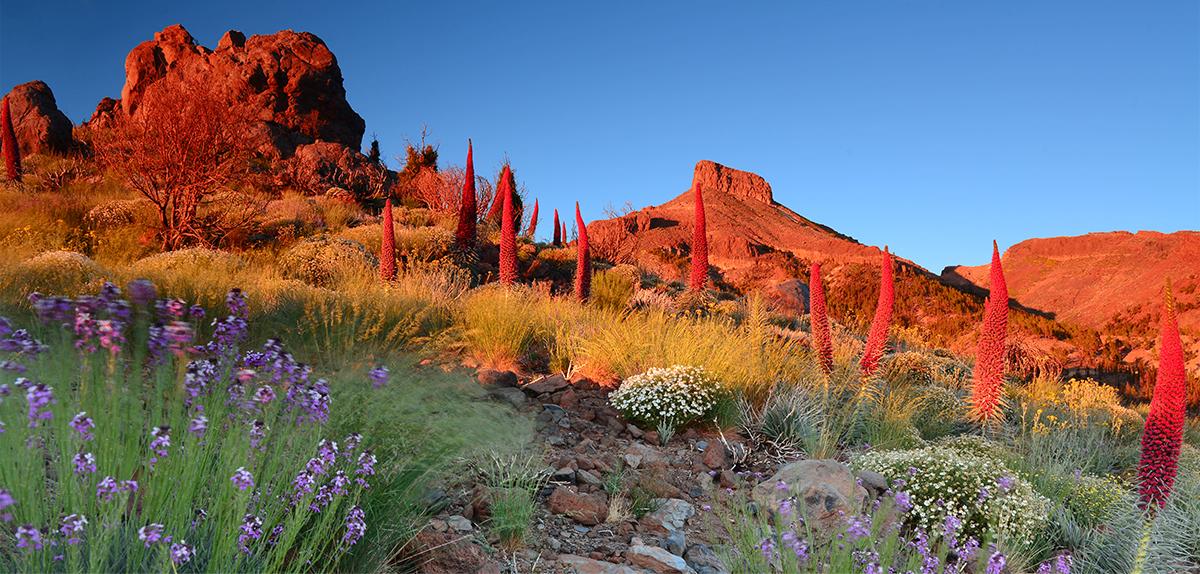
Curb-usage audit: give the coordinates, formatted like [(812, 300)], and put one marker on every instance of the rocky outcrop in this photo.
[(288, 84), (824, 491), (40, 126), (710, 175)]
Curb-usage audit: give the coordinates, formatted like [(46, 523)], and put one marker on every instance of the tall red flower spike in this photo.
[(1163, 435), (507, 178), (566, 238), (468, 209), (8, 140), (877, 338), (822, 341), (557, 231), (387, 248), (699, 275), (583, 262), (508, 232), (532, 221), (988, 387)]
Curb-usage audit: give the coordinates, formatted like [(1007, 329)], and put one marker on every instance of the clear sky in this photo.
[(933, 127)]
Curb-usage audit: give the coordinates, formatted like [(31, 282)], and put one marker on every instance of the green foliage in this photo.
[(991, 501), (612, 289), (513, 482)]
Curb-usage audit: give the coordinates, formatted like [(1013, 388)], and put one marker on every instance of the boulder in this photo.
[(789, 297), (580, 565), (492, 378), (704, 560), (586, 509), (657, 560), (547, 385), (825, 491), (38, 123), (289, 83), (669, 516)]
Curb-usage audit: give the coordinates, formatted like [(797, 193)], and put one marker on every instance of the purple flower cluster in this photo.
[(159, 444), (198, 425), (108, 487), (251, 530), (85, 463), (379, 376), (258, 433), (29, 538), (83, 425), (356, 526), (150, 534), (142, 292), (181, 553), (18, 342), (366, 467), (6, 500), (39, 396), (72, 527), (242, 479)]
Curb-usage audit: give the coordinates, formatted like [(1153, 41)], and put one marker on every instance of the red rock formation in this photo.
[(699, 276), (822, 341), (877, 337), (8, 140), (1163, 435), (468, 217), (988, 377), (387, 249), (39, 125), (557, 242), (583, 260), (289, 82), (508, 231), (532, 229)]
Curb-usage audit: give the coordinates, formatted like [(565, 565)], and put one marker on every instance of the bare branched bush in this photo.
[(441, 191), (182, 150)]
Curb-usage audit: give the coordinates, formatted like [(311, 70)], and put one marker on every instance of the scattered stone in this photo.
[(632, 460), (587, 477), (554, 413), (547, 385), (435, 499), (874, 482), (568, 399), (715, 456), (449, 553), (656, 483), (701, 445), (510, 395), (459, 523), (439, 525), (588, 509), (657, 560), (825, 489), (651, 457), (670, 515), (727, 479), (675, 542), (704, 560), (581, 565), (633, 431), (564, 474), (491, 378), (650, 437)]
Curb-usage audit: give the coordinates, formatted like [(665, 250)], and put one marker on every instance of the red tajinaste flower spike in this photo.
[(822, 341), (566, 238), (8, 140), (877, 338), (468, 210), (557, 242), (699, 277), (506, 178), (1163, 435), (508, 232), (532, 221), (583, 262), (987, 389), (387, 248)]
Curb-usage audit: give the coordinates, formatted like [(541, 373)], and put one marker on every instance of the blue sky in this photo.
[(933, 127)]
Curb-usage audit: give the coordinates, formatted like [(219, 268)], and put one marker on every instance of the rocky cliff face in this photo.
[(39, 125), (289, 83), (1108, 281)]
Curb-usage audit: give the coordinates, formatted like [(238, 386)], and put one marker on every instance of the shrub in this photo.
[(991, 502), (55, 272), (502, 327), (940, 412), (117, 213), (324, 262), (513, 482), (1091, 499), (670, 397), (195, 260), (612, 289)]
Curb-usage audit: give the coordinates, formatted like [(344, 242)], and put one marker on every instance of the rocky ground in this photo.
[(579, 528)]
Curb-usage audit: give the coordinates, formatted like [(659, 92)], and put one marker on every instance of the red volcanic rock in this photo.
[(288, 82), (741, 184), (39, 125)]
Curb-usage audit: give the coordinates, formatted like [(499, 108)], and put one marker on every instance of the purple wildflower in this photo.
[(356, 526), (142, 292), (781, 486), (150, 533), (968, 550), (251, 529), (379, 376), (170, 309), (83, 425), (199, 425), (38, 396), (29, 538), (264, 395), (72, 527), (85, 463), (798, 545), (366, 467), (767, 547), (181, 553), (235, 301), (301, 485), (995, 564), (6, 500), (85, 332), (351, 444), (129, 485), (858, 527), (1062, 564), (242, 479), (950, 528), (327, 450), (12, 367), (258, 432), (1005, 483), (903, 501), (160, 443), (195, 312), (110, 334), (106, 489)]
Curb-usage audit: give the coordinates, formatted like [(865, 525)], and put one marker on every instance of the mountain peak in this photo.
[(715, 178)]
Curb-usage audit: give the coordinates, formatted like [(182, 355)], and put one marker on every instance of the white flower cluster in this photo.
[(674, 395), (991, 501)]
